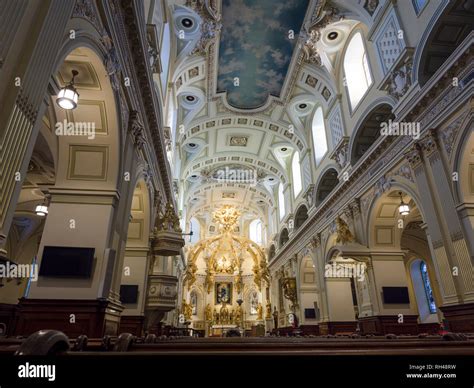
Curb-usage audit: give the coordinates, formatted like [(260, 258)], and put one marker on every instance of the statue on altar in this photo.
[(224, 314), (259, 312), (275, 318), (268, 313), (216, 317), (238, 315), (187, 310), (208, 313)]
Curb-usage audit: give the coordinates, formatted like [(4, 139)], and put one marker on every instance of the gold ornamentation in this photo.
[(224, 314), (290, 291), (259, 312), (208, 313), (190, 274), (344, 235), (238, 282), (209, 282), (227, 216), (268, 312), (168, 221), (186, 310), (238, 315)]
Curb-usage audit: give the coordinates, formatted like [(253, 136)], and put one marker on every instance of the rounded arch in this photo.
[(382, 216), (368, 129), (450, 25), (342, 78), (284, 237), (463, 162), (422, 289), (271, 252), (326, 183), (319, 134), (301, 216), (99, 104), (396, 185), (198, 301)]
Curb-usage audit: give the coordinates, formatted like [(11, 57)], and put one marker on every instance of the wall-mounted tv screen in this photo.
[(129, 293), (310, 313), (67, 262), (395, 295)]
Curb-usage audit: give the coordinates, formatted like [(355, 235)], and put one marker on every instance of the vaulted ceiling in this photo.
[(256, 45), (247, 90)]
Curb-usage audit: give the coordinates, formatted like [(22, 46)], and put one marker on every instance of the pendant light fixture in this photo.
[(403, 208), (41, 210), (68, 96)]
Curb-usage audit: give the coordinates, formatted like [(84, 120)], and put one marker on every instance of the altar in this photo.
[(221, 330)]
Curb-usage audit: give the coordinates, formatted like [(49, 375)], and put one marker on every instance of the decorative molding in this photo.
[(137, 130), (341, 152), (448, 135), (429, 143), (413, 155), (324, 15), (371, 6), (400, 78), (111, 61), (387, 152), (85, 9), (125, 12), (309, 195)]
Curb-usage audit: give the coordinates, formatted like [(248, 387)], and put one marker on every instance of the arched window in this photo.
[(165, 55), (253, 303), (356, 70), (320, 143), (296, 169), (256, 231), (281, 201), (195, 227), (427, 286)]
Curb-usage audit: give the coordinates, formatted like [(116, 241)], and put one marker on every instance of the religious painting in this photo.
[(223, 293), (194, 302), (253, 302)]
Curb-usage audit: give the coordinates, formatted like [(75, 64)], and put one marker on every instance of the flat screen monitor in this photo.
[(129, 293), (67, 262), (395, 295), (310, 313)]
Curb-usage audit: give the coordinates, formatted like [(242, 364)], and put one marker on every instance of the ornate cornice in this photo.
[(139, 58), (387, 153)]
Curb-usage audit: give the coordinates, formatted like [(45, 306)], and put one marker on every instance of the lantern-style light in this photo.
[(41, 210), (403, 208), (68, 96)]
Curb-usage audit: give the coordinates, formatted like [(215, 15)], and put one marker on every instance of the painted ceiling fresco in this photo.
[(255, 47)]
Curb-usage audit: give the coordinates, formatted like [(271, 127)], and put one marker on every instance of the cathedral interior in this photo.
[(196, 175)]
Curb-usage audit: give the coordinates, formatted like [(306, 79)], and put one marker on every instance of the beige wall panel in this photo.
[(88, 162)]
